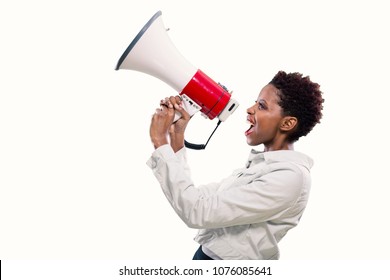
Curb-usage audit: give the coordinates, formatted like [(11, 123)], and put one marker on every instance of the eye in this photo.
[(261, 106)]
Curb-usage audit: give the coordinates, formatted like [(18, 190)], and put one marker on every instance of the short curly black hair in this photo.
[(300, 98)]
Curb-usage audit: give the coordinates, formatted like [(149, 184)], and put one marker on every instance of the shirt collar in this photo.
[(278, 156)]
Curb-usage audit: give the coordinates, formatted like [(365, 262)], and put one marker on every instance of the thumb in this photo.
[(183, 112)]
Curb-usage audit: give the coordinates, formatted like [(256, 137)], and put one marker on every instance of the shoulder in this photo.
[(288, 158)]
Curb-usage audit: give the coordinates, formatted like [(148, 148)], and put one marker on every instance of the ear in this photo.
[(289, 124)]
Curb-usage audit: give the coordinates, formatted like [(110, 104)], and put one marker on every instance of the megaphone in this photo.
[(152, 52)]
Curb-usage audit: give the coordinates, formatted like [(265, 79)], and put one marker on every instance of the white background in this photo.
[(74, 132)]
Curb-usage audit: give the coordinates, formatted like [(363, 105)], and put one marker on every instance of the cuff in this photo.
[(163, 152)]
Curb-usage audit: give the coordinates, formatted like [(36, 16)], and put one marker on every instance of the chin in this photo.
[(250, 142)]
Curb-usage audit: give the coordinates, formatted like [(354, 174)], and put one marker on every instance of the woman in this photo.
[(245, 215)]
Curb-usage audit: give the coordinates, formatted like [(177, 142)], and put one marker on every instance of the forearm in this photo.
[(159, 141), (177, 141)]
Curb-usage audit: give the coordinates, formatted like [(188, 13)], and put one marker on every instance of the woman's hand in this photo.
[(161, 121), (177, 129), (162, 124)]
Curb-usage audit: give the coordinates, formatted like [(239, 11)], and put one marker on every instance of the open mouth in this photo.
[(251, 128), (249, 131)]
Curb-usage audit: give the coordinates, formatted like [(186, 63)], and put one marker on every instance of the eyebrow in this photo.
[(263, 100)]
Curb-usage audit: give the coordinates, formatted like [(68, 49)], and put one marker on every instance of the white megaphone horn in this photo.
[(152, 52)]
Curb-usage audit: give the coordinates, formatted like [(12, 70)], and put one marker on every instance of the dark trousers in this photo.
[(199, 255)]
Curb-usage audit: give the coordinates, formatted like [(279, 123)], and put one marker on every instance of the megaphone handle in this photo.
[(177, 116), (189, 105)]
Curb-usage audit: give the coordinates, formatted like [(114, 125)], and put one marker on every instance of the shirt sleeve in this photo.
[(264, 198)]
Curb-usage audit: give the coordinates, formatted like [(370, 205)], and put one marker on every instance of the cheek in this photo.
[(267, 126)]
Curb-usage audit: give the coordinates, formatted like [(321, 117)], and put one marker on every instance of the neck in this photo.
[(284, 146)]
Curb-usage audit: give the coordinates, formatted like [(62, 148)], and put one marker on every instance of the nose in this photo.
[(250, 110)]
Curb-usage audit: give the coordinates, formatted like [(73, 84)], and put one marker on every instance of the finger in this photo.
[(182, 111), (164, 102), (178, 99), (167, 102), (157, 111), (173, 100), (166, 111)]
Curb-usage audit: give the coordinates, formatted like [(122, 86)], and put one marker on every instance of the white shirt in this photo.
[(246, 214)]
